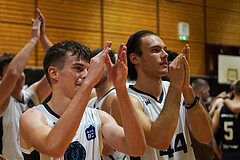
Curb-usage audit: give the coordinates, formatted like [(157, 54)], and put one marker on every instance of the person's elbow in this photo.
[(54, 151), (162, 143)]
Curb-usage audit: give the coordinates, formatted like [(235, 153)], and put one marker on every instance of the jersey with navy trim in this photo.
[(87, 142), (180, 146), (230, 131), (93, 103), (10, 123)]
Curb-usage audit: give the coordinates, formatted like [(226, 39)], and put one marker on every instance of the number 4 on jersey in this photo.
[(181, 147)]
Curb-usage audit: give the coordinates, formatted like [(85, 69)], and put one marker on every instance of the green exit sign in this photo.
[(183, 38)]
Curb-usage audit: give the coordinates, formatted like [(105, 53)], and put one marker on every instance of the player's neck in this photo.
[(59, 103), (150, 86), (103, 89)]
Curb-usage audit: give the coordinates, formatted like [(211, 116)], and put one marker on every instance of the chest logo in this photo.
[(75, 151)]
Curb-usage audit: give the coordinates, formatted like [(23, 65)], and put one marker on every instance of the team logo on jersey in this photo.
[(89, 128), (147, 102), (75, 151)]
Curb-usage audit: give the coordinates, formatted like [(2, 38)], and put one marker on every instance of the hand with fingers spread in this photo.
[(97, 64), (118, 72)]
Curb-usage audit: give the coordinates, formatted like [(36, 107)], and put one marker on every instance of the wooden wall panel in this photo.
[(193, 2), (116, 39), (15, 11), (171, 14), (94, 22), (128, 17), (13, 37), (77, 20), (197, 62), (230, 5), (15, 26), (56, 35), (74, 14), (223, 26)]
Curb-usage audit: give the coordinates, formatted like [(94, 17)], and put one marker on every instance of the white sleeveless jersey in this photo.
[(87, 142), (93, 103), (10, 123), (180, 146)]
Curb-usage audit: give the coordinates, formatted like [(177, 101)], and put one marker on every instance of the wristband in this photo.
[(189, 106)]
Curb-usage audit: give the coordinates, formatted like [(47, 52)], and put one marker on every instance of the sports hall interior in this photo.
[(213, 28)]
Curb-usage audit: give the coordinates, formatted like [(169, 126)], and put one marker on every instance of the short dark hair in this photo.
[(134, 46), (4, 59), (111, 54), (56, 55)]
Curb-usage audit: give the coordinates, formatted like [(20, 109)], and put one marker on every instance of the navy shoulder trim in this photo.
[(139, 91), (50, 110)]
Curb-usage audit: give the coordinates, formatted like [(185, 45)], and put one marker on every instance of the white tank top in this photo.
[(93, 103), (180, 147), (87, 142), (10, 123)]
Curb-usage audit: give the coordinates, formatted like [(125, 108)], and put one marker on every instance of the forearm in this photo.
[(20, 61), (46, 43), (64, 130), (235, 108), (135, 139), (198, 118), (168, 118)]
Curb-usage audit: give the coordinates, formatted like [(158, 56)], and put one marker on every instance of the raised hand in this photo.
[(97, 64), (186, 52), (186, 55), (118, 72), (42, 19), (36, 23), (177, 71)]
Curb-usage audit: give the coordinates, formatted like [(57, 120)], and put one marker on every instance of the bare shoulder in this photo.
[(31, 112), (103, 114), (135, 101), (105, 117), (32, 116)]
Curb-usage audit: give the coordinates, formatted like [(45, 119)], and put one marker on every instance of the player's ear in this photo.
[(134, 58), (53, 73)]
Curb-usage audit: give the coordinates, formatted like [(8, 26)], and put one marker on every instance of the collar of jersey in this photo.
[(50, 110), (139, 91)]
